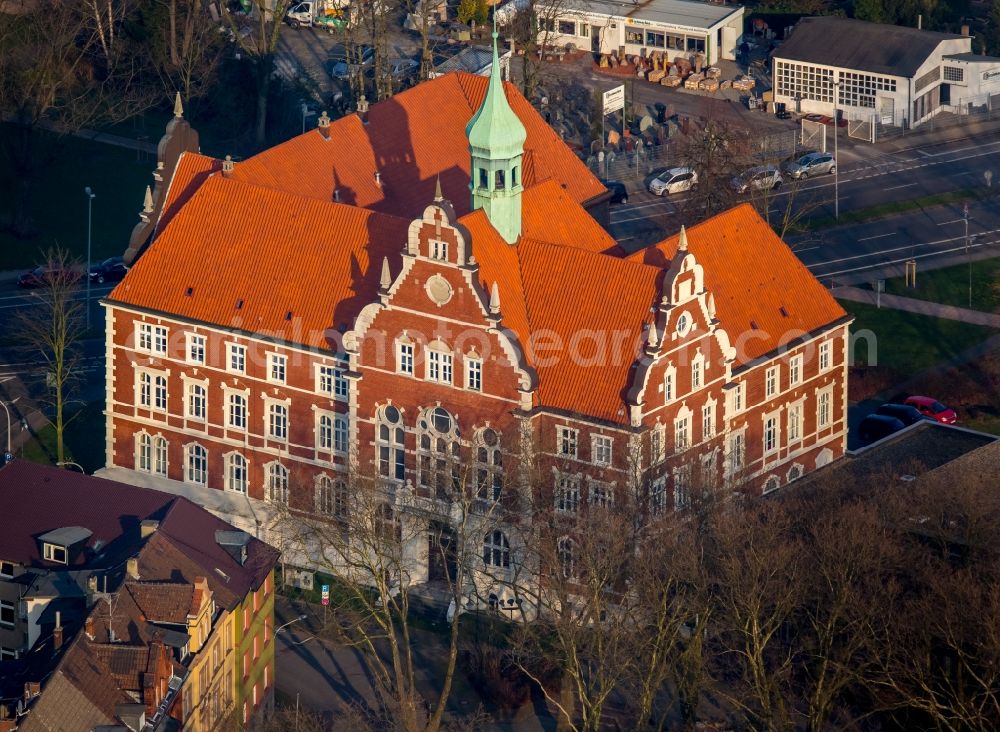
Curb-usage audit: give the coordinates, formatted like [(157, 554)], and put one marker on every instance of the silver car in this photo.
[(810, 164), (674, 180), (762, 178)]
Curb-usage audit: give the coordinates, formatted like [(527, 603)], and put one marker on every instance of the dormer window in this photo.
[(54, 553), (439, 250), (6, 570)]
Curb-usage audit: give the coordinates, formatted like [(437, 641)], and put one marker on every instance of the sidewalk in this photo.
[(931, 133), (920, 307)]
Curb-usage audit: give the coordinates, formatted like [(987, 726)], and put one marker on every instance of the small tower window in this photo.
[(499, 183), (484, 181)]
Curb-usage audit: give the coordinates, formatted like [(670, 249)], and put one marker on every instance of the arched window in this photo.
[(277, 483), (438, 449), (331, 497), (772, 484), (324, 433), (197, 464), (391, 455), (236, 473), (489, 465), (496, 549), (160, 456), (566, 554), (143, 452), (145, 390)]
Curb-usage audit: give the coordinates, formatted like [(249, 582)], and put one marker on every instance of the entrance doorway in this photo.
[(442, 553), (595, 38)]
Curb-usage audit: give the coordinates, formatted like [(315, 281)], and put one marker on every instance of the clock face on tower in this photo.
[(438, 290)]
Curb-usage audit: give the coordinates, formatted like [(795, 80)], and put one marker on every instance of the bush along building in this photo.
[(127, 608), (420, 294)]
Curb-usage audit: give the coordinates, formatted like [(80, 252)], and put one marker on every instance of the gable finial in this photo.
[(682, 242), (386, 280), (494, 299), (651, 340), (438, 196), (147, 202), (178, 107)]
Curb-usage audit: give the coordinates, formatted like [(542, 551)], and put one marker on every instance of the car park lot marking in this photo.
[(877, 236)]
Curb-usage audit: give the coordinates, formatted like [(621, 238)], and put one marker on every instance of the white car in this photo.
[(674, 180), (765, 177)]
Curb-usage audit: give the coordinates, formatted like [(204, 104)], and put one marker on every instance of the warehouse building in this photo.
[(893, 74), (674, 27)]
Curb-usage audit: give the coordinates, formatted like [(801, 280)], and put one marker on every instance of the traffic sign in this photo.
[(326, 594), (7, 457)]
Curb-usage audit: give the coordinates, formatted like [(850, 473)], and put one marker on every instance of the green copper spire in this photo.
[(496, 145)]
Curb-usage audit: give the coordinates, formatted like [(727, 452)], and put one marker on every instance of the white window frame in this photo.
[(276, 480), (795, 422), (236, 358), (682, 433), (324, 432), (708, 421), (567, 442), (473, 374), (736, 452), (152, 338), (191, 472), (277, 420), (658, 496), (161, 456), (404, 357), (195, 348), (341, 434), (567, 494), (825, 358), (229, 461), (737, 397), (824, 407), (49, 553), (771, 377), (669, 384), (795, 370), (7, 605), (230, 395), (697, 372), (601, 493), (771, 434), (191, 400), (657, 442), (277, 368), (143, 452), (440, 365), (601, 449), (682, 487)]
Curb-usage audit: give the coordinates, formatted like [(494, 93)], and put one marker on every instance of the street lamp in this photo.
[(90, 205), (68, 463), (5, 409), (965, 216), (836, 156), (285, 625)]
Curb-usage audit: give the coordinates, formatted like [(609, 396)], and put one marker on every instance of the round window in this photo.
[(489, 438), (391, 415), (682, 323), (438, 289), (441, 420)]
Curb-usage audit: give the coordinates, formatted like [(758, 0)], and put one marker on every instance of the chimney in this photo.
[(378, 178), (324, 125), (965, 29), (88, 628), (132, 568), (147, 528), (57, 633), (363, 109), (920, 22), (227, 166)]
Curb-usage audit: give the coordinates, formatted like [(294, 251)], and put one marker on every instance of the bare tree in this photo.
[(532, 28), (51, 331), (188, 47), (257, 35)]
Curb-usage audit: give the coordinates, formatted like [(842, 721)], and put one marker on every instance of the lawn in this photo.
[(118, 178), (950, 286), (908, 343), (84, 440)]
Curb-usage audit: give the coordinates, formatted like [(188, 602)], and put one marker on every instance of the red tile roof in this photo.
[(163, 602), (758, 283), (410, 139), (192, 170)]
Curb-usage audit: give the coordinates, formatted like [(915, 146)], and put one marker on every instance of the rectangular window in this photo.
[(439, 249), (567, 499), (6, 569), (668, 386), (770, 435), (197, 402), (567, 28), (160, 393), (277, 366), (404, 358), (656, 444), (738, 394), (238, 411), (954, 73), (601, 494), (824, 355), (567, 442), (474, 374), (682, 487), (794, 423), (657, 497), (277, 421), (8, 654), (151, 338), (707, 421), (600, 448), (54, 553), (237, 358), (656, 40), (196, 348), (145, 390), (340, 434), (737, 452), (439, 366), (771, 382), (794, 370), (823, 411), (696, 375), (7, 616), (682, 434), (324, 432)]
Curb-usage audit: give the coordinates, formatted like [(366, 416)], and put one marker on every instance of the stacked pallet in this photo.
[(693, 81), (670, 81), (709, 85), (745, 83)]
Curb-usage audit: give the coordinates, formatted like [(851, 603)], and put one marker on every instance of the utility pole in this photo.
[(836, 155), (90, 206), (968, 254)]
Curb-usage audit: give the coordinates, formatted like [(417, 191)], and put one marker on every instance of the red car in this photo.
[(932, 408)]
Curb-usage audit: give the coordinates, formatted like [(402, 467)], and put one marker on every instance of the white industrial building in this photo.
[(673, 27), (894, 75)]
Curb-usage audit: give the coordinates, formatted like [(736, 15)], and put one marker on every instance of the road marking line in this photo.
[(953, 221), (879, 236), (905, 185)]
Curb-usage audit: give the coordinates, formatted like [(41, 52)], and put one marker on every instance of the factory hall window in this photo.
[(954, 73)]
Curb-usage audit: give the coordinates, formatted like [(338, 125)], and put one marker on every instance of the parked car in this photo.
[(932, 408), (761, 178), (402, 68), (112, 269), (343, 63), (42, 276), (903, 412), (810, 164), (673, 180), (619, 194), (876, 426)]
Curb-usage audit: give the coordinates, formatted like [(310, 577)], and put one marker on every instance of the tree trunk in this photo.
[(266, 64), (172, 12)]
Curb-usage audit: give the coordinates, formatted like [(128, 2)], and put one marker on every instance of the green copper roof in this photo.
[(495, 131)]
